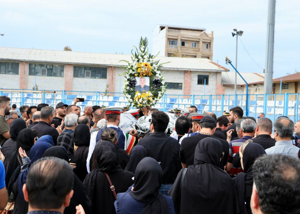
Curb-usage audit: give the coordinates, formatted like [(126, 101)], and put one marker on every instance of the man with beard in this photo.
[(4, 127), (236, 114), (61, 110)]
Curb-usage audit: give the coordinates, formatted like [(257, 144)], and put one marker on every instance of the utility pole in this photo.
[(268, 85), (237, 34)]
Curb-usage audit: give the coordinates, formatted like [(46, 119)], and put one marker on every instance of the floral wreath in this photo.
[(143, 65)]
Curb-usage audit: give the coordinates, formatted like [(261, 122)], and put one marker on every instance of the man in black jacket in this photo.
[(43, 127), (206, 129), (263, 132), (222, 126), (164, 149)]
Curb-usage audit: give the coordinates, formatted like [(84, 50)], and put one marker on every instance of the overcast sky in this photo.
[(115, 26)]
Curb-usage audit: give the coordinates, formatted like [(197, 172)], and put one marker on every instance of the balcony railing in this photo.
[(173, 46)]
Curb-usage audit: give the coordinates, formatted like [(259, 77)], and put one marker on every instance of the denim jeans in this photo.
[(164, 189)]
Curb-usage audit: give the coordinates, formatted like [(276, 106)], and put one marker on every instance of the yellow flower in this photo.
[(139, 70), (136, 75), (147, 65), (139, 65)]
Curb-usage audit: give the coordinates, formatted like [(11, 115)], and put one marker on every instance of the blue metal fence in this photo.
[(273, 105)]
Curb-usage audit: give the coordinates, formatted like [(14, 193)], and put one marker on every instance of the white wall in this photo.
[(119, 85), (46, 83), (230, 90), (9, 81), (87, 84), (199, 89), (159, 41), (176, 77)]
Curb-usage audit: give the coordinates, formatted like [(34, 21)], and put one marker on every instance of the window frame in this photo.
[(50, 69), (193, 43), (170, 83), (8, 64), (207, 46), (285, 86), (204, 75), (95, 73), (182, 42), (175, 41)]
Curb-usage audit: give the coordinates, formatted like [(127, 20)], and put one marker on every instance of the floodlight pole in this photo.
[(236, 60), (268, 83), (247, 98)]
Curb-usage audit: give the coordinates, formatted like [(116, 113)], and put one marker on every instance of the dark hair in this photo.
[(284, 129), (48, 188), (95, 108), (83, 120), (208, 122), (160, 121), (110, 135), (29, 110), (265, 124), (112, 117), (182, 125), (41, 105), (14, 106), (23, 108), (4, 99), (223, 120), (238, 111), (277, 181), (46, 112), (194, 108)]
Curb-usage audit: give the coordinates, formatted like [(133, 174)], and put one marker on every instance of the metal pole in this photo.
[(268, 85), (236, 58), (204, 86)]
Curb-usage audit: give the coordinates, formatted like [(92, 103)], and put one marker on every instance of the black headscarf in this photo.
[(147, 181), (80, 192), (25, 139), (57, 151), (82, 135), (137, 153), (244, 181), (208, 150), (205, 186), (15, 127), (105, 157), (251, 152)]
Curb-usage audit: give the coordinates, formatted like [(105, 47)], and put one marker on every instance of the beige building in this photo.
[(78, 71), (174, 41)]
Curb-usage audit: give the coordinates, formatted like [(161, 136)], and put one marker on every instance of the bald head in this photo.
[(284, 128), (36, 116), (264, 125), (84, 120)]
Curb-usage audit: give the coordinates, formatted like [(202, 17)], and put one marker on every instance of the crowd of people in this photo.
[(62, 161)]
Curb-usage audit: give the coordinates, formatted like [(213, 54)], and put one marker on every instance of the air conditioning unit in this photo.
[(88, 73), (44, 71)]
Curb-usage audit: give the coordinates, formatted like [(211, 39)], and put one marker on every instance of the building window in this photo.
[(207, 46), (194, 44), (182, 43), (9, 68), (203, 79), (285, 86), (173, 85), (173, 42), (90, 72), (46, 70)]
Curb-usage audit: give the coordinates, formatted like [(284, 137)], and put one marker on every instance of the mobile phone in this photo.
[(80, 99)]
